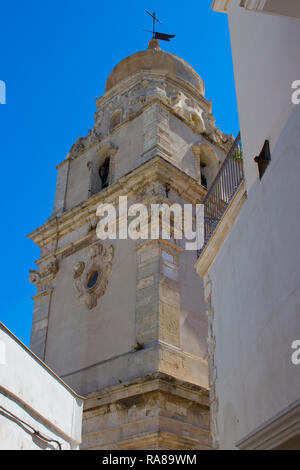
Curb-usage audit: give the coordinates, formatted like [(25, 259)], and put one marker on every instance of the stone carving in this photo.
[(187, 108), (215, 135), (125, 106), (90, 279), (42, 277), (94, 136), (77, 147)]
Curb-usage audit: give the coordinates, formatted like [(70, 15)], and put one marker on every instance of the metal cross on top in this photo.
[(156, 35), (154, 20)]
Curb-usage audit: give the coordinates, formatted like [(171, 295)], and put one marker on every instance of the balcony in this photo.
[(223, 190)]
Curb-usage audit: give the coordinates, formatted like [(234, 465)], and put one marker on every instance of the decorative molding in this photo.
[(154, 170), (256, 5), (279, 429), (173, 414), (98, 265), (130, 98), (41, 278)]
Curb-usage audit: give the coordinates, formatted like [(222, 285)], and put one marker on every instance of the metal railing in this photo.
[(223, 189)]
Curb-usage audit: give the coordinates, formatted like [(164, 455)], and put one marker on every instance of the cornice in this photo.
[(129, 83), (156, 169), (135, 116), (282, 427), (152, 382), (220, 5)]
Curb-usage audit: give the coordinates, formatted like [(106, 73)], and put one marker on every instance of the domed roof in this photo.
[(155, 59)]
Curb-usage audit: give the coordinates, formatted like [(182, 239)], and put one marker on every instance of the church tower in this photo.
[(123, 321)]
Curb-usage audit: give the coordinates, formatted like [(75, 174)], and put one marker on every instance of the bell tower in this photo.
[(123, 321)]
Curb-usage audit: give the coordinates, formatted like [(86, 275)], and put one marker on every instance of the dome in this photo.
[(155, 59)]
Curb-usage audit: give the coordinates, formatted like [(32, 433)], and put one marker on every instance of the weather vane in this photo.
[(156, 35)]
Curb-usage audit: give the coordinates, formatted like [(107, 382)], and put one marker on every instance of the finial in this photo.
[(154, 44)]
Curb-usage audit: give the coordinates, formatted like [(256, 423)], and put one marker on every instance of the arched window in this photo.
[(102, 168), (104, 173), (207, 164), (203, 176)]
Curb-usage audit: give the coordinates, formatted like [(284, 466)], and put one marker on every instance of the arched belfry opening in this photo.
[(102, 169), (207, 164), (104, 173)]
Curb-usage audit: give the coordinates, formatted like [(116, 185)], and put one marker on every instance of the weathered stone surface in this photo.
[(154, 412), (145, 314)]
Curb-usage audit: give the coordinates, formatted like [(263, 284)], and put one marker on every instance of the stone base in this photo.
[(154, 412)]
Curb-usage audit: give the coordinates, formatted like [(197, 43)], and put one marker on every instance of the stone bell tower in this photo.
[(123, 322)]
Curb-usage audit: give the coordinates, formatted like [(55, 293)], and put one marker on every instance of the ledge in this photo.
[(279, 429), (154, 169)]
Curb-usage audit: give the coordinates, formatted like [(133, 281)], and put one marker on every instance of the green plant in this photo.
[(237, 155)]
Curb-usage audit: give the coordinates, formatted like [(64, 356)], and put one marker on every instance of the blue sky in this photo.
[(55, 58)]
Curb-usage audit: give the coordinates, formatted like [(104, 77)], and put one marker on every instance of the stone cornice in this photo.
[(135, 116), (155, 381), (220, 5), (256, 5), (160, 241), (131, 82), (156, 169)]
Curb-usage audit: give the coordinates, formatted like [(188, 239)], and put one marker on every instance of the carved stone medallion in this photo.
[(90, 279)]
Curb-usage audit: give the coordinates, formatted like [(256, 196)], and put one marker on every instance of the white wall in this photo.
[(31, 392), (255, 276), (256, 299), (289, 8), (266, 57)]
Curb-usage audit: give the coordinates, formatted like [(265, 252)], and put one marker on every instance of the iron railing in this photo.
[(223, 189)]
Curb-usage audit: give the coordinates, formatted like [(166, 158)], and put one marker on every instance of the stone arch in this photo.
[(106, 153), (207, 164)]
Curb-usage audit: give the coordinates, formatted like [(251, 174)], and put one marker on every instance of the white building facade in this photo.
[(250, 264), (38, 411)]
